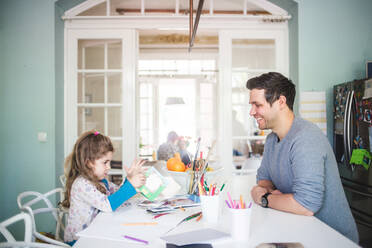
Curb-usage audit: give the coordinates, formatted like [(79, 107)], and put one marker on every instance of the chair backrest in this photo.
[(62, 179), (28, 227), (19, 244), (27, 202), (36, 197)]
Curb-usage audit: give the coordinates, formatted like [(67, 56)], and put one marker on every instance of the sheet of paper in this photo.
[(201, 236), (111, 225), (313, 108)]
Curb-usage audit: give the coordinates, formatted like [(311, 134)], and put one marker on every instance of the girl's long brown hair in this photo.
[(89, 147)]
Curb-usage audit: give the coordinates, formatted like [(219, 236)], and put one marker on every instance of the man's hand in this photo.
[(276, 192), (257, 192), (135, 174)]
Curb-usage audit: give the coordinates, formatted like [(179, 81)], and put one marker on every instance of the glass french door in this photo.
[(101, 87), (245, 54)]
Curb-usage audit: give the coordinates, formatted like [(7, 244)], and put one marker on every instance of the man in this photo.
[(298, 173), (169, 148)]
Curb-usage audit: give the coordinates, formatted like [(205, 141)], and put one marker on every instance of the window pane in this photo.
[(206, 90), (206, 121), (146, 106), (146, 121), (114, 88), (127, 7), (90, 118), (242, 123), (209, 65), (239, 79), (92, 84), (195, 66), (114, 55), (114, 121), (145, 90), (118, 150), (147, 137), (240, 96), (206, 106), (91, 54), (182, 67), (208, 136), (253, 54)]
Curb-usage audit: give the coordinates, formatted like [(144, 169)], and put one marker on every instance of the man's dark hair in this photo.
[(275, 85)]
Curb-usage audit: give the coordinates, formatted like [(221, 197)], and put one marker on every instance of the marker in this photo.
[(227, 203), (223, 185), (136, 239), (231, 202)]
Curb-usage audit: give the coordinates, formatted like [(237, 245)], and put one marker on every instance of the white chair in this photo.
[(62, 179), (26, 202), (10, 240)]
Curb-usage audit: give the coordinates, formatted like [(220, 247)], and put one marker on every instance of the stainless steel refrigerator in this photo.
[(352, 130)]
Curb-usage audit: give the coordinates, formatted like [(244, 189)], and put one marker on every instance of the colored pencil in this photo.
[(136, 239), (157, 216)]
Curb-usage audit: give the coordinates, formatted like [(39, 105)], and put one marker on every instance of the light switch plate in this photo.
[(42, 136)]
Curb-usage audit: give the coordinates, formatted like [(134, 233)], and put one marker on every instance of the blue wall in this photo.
[(27, 100)]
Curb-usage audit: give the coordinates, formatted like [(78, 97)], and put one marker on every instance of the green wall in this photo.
[(59, 88), (292, 8), (27, 95), (335, 41)]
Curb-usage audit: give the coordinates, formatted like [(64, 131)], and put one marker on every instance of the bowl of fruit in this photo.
[(182, 173)]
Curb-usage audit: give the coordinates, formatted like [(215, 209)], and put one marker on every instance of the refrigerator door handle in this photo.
[(346, 129), (352, 105)]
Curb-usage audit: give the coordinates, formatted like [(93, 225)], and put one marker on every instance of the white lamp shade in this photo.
[(174, 100)]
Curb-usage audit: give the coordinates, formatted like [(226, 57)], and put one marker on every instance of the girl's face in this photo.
[(102, 166)]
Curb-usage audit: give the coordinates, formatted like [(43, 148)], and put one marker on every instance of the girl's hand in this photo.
[(135, 174)]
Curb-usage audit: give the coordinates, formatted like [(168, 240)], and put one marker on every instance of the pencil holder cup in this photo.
[(240, 223), (210, 206), (192, 182)]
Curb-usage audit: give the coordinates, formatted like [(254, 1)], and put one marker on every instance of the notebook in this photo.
[(201, 236)]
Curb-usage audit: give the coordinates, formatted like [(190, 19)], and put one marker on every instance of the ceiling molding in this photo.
[(82, 7), (268, 9)]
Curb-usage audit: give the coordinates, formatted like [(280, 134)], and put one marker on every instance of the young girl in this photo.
[(87, 190)]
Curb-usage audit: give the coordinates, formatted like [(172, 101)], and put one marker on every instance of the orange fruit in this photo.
[(175, 163)]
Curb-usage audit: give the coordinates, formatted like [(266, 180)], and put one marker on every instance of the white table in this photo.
[(267, 225)]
